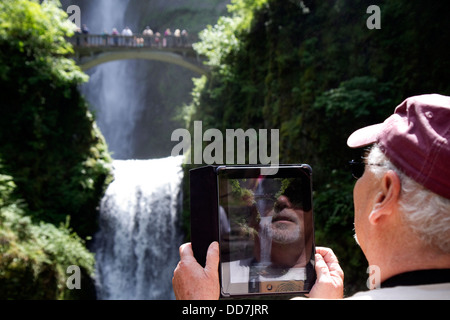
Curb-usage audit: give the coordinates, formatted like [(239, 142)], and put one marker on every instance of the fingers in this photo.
[(329, 259), (212, 257), (327, 254), (330, 277), (191, 281), (186, 251), (321, 267)]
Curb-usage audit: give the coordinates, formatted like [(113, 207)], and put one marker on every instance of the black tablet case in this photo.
[(204, 210)]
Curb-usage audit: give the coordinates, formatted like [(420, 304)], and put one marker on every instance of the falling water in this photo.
[(113, 89), (137, 245)]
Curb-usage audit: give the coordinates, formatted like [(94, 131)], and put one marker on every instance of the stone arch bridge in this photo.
[(93, 50)]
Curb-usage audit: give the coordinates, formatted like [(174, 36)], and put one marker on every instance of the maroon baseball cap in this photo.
[(416, 139)]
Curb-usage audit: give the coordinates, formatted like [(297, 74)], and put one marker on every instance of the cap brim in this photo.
[(364, 136)]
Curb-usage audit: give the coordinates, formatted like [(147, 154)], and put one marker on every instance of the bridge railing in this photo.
[(135, 41)]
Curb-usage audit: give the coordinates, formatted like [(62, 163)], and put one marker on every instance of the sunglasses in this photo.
[(357, 167)]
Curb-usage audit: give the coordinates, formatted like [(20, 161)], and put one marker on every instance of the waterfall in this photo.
[(137, 244), (136, 247), (113, 89)]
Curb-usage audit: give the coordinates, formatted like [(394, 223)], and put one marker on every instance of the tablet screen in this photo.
[(266, 231)]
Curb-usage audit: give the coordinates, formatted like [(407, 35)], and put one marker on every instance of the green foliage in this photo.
[(54, 163), (355, 103), (317, 77), (218, 41), (22, 16), (49, 144), (34, 258)]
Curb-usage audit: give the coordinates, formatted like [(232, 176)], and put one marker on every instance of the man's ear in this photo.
[(387, 197)]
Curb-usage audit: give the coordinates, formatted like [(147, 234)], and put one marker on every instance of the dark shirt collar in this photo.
[(417, 278)]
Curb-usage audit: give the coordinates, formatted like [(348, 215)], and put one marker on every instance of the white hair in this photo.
[(425, 212)]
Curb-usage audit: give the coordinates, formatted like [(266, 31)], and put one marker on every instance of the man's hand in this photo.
[(330, 277), (193, 282)]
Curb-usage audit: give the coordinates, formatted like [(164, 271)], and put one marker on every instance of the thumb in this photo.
[(321, 267), (212, 258)]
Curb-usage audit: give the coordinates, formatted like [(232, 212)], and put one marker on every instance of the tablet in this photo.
[(263, 223)]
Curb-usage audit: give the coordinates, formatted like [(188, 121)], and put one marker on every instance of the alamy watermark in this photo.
[(74, 13), (374, 20), (235, 139), (374, 280), (74, 280)]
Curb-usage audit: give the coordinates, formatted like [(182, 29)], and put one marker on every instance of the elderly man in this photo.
[(402, 212)]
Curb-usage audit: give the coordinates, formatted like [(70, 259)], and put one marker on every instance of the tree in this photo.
[(49, 143)]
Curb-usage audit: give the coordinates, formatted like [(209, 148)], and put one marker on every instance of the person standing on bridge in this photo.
[(158, 39), (167, 40), (184, 37), (115, 34), (148, 34), (128, 34), (177, 35), (85, 32), (105, 38)]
